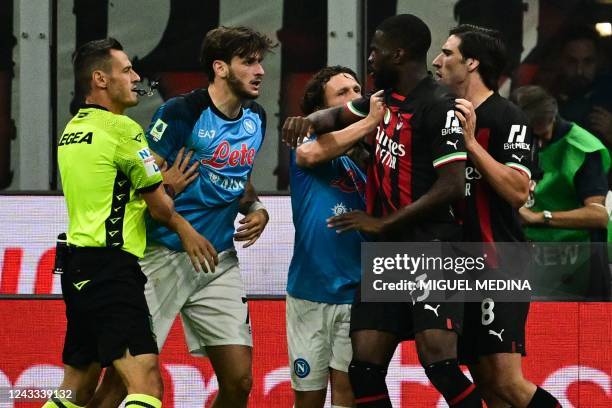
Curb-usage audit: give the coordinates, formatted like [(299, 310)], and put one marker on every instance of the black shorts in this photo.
[(492, 327), (106, 309), (405, 319)]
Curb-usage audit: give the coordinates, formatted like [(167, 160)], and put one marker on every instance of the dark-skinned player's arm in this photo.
[(331, 145), (447, 189), (448, 160), (296, 128)]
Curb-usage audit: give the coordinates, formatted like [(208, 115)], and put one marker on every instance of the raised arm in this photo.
[(331, 145), (509, 180), (296, 128)]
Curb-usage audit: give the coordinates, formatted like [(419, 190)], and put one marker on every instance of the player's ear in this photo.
[(472, 64), (220, 68), (99, 79)]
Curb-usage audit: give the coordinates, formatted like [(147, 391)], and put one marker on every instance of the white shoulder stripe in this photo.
[(354, 110)]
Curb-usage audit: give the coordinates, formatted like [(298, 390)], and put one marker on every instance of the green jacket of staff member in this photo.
[(568, 202)]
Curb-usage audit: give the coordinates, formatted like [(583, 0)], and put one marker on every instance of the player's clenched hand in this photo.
[(179, 176), (295, 129), (201, 252), (252, 225), (377, 107), (467, 116), (356, 220)]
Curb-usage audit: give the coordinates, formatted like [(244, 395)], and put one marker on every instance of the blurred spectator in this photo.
[(503, 16), (174, 60), (581, 83), (303, 52), (568, 200)]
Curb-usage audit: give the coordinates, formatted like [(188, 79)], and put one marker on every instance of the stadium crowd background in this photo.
[(37, 40), (36, 86)]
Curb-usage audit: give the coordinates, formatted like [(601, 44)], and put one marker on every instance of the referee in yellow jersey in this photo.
[(109, 178)]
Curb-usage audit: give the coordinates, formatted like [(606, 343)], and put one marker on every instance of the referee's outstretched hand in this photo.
[(201, 252), (178, 175)]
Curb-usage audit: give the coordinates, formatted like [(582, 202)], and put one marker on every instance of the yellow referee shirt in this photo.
[(105, 164)]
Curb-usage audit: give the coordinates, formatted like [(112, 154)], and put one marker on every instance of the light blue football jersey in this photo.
[(226, 149)]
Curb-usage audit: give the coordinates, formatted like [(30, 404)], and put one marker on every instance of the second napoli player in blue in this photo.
[(224, 127), (325, 269)]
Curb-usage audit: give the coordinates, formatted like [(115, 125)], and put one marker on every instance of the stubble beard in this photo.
[(238, 88)]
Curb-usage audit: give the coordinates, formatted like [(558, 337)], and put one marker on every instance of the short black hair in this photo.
[(535, 102), (314, 93), (485, 45), (89, 57), (408, 32), (225, 43)]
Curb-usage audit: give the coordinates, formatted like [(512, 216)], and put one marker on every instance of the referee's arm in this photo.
[(160, 205)]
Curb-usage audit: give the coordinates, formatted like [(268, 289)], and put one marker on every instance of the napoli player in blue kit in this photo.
[(224, 128), (325, 269)]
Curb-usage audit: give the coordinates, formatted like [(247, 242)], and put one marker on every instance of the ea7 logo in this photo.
[(517, 134), (451, 119), (210, 134)]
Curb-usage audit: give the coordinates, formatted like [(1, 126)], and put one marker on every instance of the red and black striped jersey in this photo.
[(418, 133), (502, 130)]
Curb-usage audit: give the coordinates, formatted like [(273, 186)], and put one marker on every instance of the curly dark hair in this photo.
[(314, 92)]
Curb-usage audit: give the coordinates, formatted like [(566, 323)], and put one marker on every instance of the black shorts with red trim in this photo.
[(106, 309), (492, 327), (405, 319)]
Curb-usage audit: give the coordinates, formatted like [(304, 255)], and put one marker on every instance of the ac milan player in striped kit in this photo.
[(417, 172), (499, 144)]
